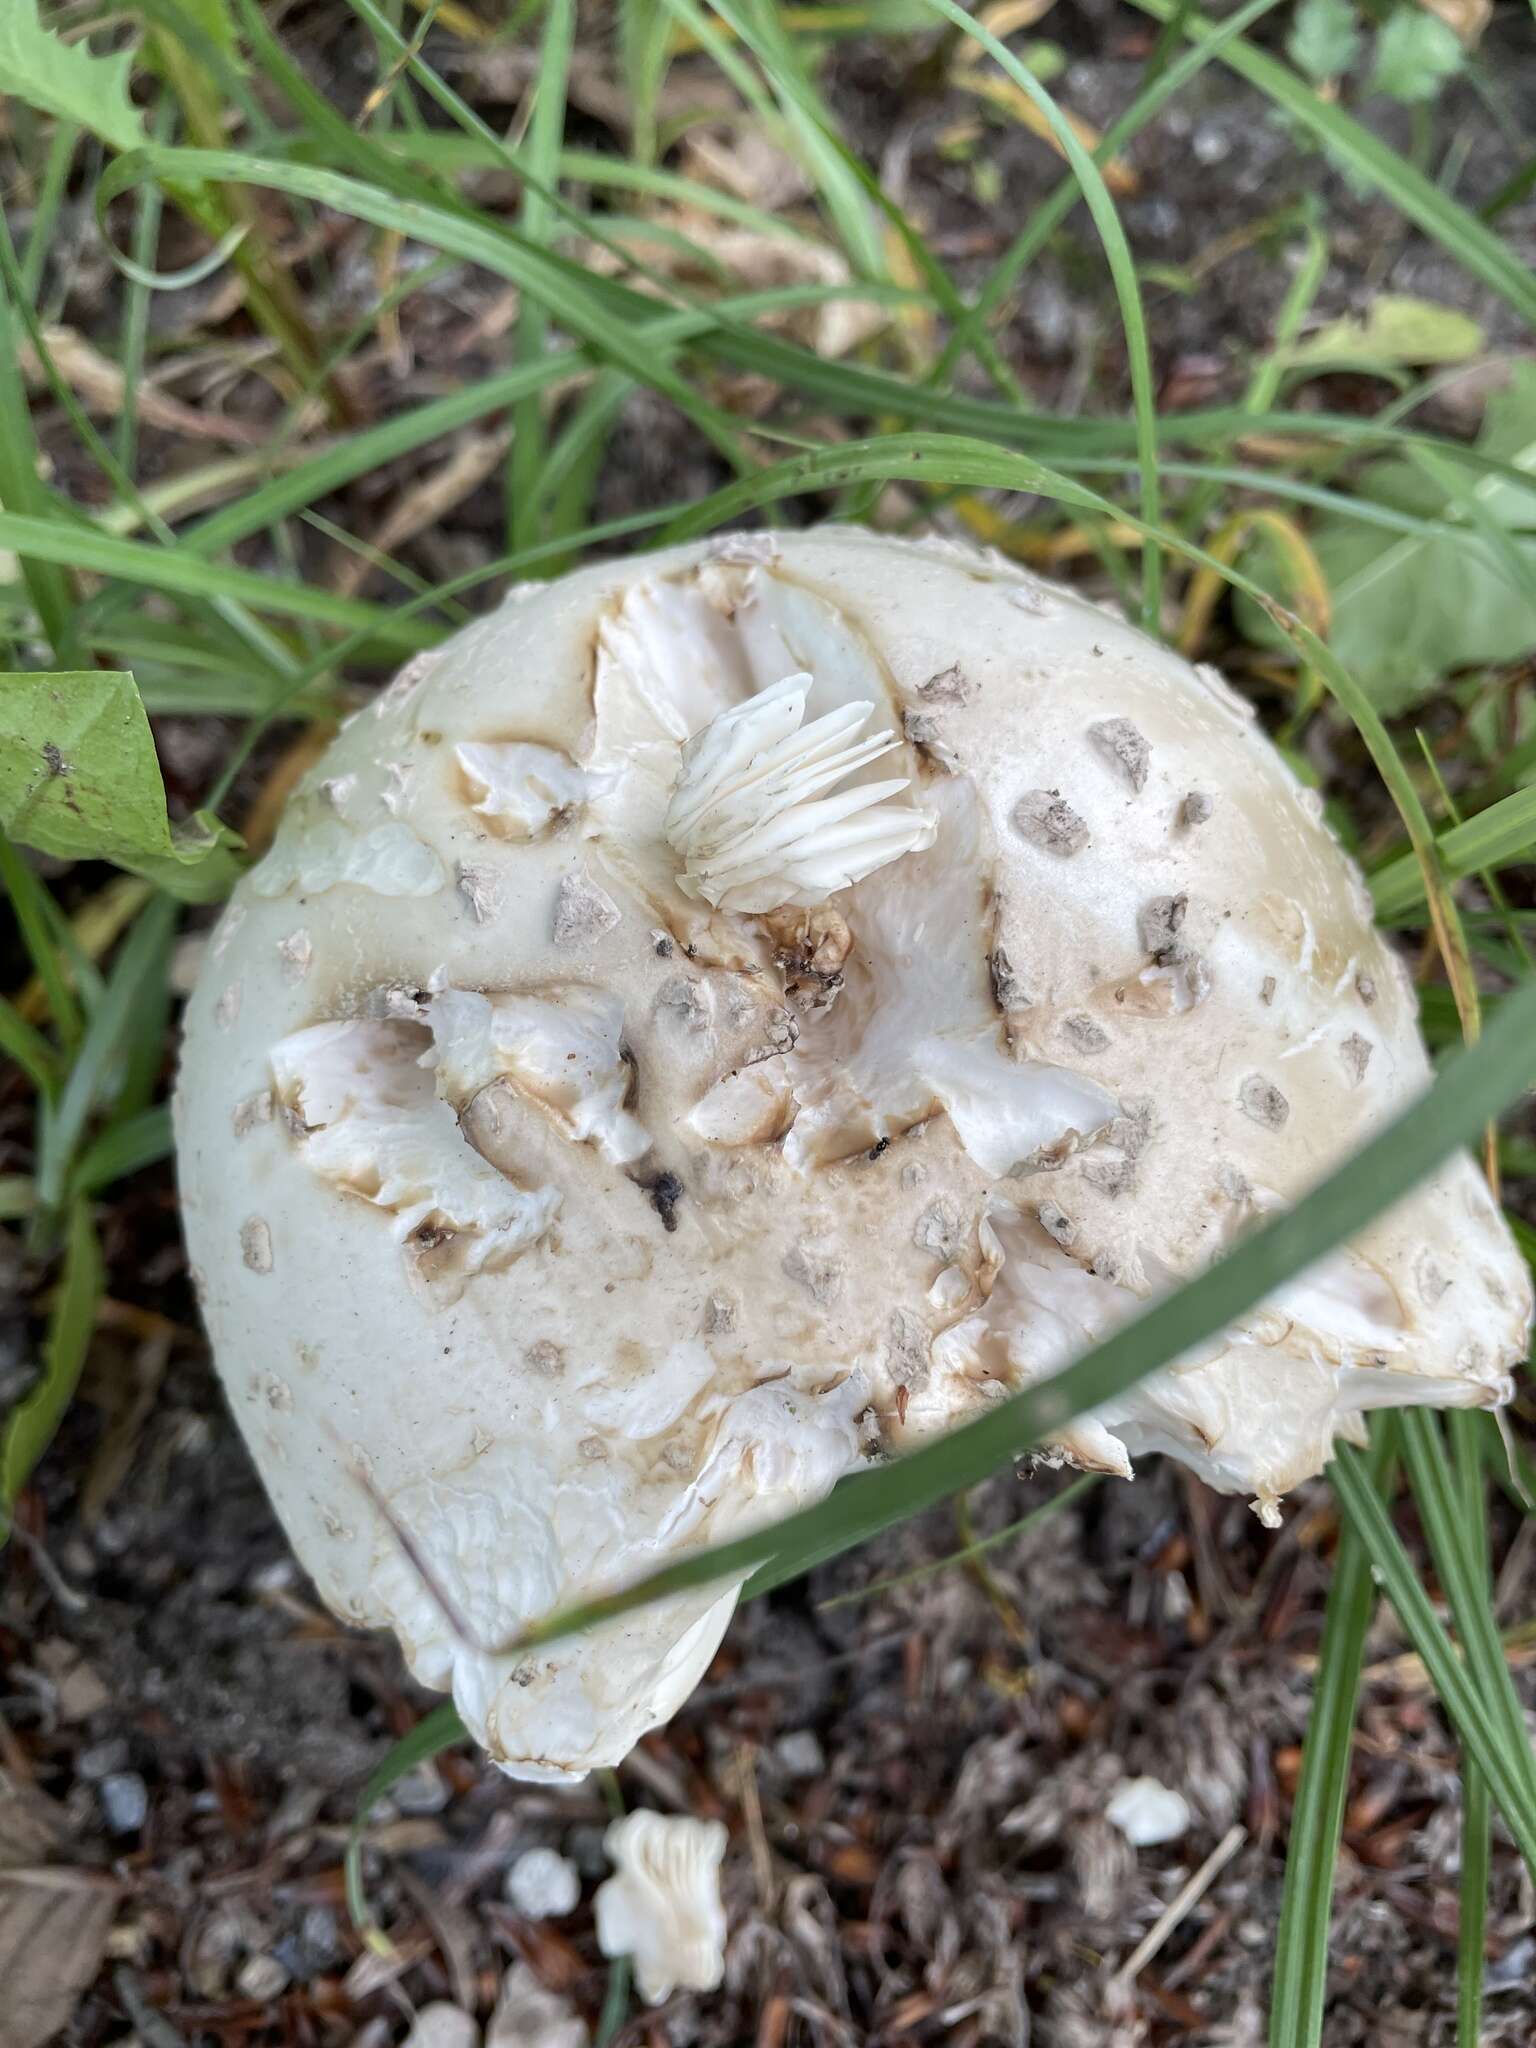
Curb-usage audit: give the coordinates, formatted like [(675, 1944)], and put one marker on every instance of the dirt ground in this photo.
[(915, 1784)]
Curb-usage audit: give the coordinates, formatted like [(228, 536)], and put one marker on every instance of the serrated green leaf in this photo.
[(79, 778), (1395, 331), (1415, 53), (1324, 39), (67, 79)]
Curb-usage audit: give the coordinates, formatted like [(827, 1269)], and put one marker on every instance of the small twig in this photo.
[(752, 1814), (152, 2027), (69, 1599), (1177, 1909)]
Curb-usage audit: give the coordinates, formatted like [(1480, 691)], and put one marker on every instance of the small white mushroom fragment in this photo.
[(662, 1905), (693, 1089), (1147, 1812), (543, 1885)]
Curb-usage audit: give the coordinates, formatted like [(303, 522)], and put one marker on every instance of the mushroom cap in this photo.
[(578, 1166)]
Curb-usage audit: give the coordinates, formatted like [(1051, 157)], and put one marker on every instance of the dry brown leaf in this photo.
[(127, 1398), (1012, 99), (79, 1689), (744, 163), (98, 384), (54, 1918), (755, 261), (1003, 19), (1468, 18)]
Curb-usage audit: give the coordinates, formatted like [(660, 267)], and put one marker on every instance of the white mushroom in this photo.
[(662, 1905), (782, 1091)]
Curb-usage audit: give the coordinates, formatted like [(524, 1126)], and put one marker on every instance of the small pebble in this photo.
[(262, 1978), (320, 1936), (420, 1791), (800, 1755), (124, 1802), (102, 1759), (543, 1885), (441, 2025)]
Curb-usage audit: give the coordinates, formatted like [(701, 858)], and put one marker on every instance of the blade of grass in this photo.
[(133, 330), (141, 1140), (1122, 270), (141, 957), (33, 1422), (546, 132), (758, 25), (178, 569), (1511, 1774), (1264, 381), (21, 491), (30, 905), (1476, 1812), (1317, 1811), (20, 1042), (1459, 1561), (1506, 831), (61, 151), (439, 1730), (644, 34)]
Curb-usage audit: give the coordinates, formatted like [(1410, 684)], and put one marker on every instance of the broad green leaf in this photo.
[(79, 779), (1409, 611), (1394, 332), (1325, 37), (67, 79), (1415, 53)]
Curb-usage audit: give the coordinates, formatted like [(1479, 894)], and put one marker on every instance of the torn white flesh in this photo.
[(315, 850), (1256, 1408), (382, 1107), (521, 789), (563, 1048), (916, 1030), (745, 818), (371, 1123)]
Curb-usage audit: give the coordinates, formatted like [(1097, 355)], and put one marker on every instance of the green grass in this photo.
[(121, 567)]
